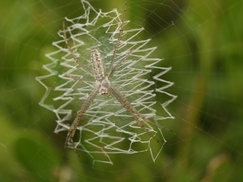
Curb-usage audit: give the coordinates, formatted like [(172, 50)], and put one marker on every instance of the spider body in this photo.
[(97, 65), (103, 86), (102, 82)]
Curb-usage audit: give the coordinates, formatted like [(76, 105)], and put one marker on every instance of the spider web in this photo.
[(106, 128), (201, 40)]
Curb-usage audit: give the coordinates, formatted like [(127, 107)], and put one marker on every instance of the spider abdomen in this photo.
[(97, 65)]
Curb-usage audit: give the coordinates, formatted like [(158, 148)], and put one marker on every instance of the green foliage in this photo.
[(36, 155), (201, 40)]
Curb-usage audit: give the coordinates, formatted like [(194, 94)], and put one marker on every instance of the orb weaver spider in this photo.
[(104, 87)]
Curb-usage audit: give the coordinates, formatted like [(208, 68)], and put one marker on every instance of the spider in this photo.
[(103, 86)]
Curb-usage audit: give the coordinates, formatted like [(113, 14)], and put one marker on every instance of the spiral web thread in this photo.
[(106, 128)]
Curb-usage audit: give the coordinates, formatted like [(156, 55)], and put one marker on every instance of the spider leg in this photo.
[(83, 109), (119, 37), (135, 114), (72, 77), (119, 64), (72, 53)]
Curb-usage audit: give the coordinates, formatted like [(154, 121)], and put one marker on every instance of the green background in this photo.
[(202, 41)]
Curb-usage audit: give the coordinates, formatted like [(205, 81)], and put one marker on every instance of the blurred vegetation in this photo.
[(202, 41)]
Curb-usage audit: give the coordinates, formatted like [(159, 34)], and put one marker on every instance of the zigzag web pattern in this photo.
[(106, 128)]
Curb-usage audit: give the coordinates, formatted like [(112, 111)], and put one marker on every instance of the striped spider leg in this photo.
[(104, 87)]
